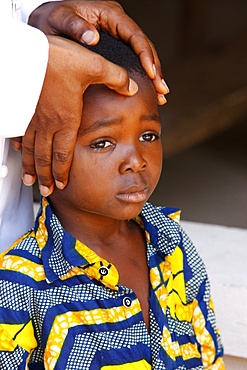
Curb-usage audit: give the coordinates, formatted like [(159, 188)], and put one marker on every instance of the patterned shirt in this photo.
[(61, 306)]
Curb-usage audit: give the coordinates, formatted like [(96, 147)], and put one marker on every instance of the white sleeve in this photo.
[(23, 62), (28, 6)]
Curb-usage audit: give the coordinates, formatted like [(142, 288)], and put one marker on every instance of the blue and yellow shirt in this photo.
[(61, 306)]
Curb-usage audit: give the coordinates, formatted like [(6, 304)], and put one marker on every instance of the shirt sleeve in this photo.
[(23, 62), (207, 333), (203, 317), (17, 329)]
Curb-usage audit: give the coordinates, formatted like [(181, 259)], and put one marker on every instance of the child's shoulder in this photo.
[(162, 222), (166, 234), (24, 256), (170, 240)]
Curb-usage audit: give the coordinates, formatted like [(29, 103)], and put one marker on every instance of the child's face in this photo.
[(118, 155)]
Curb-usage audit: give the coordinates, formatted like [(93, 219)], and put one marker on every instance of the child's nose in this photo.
[(132, 161)]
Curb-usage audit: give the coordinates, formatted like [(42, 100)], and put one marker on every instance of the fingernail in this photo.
[(44, 190), (133, 87), (28, 180), (88, 37), (154, 70), (164, 83), (161, 99), (60, 185)]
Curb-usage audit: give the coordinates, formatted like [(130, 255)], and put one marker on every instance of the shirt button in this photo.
[(3, 171), (127, 302), (103, 270)]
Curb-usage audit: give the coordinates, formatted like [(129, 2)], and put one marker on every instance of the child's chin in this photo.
[(132, 213)]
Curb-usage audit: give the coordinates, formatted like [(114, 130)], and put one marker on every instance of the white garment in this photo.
[(23, 62)]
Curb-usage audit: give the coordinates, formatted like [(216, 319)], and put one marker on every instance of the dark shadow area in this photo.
[(208, 181)]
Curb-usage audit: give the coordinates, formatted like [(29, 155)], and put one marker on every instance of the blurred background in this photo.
[(202, 45)]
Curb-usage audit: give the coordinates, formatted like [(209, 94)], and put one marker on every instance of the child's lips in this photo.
[(133, 195)]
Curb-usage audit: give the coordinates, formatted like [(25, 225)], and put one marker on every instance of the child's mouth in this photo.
[(131, 196)]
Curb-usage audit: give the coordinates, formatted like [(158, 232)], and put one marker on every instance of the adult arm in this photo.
[(53, 145)]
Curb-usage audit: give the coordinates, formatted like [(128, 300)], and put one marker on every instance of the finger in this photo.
[(112, 75), (161, 99), (43, 162), (160, 87), (63, 150), (159, 83), (142, 46), (28, 164), (120, 25), (16, 143)]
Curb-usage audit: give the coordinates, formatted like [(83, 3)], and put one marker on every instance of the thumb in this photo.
[(62, 18), (113, 76), (78, 29)]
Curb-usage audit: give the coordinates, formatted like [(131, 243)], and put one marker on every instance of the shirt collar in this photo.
[(62, 254), (162, 224)]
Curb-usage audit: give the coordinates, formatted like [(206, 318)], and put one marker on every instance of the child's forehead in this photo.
[(96, 94), (107, 106)]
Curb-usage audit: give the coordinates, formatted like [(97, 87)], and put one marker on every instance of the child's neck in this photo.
[(96, 231)]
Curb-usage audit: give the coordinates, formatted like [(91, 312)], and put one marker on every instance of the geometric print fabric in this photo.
[(66, 300)]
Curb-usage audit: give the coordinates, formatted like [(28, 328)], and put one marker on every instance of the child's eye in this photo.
[(148, 137), (101, 144)]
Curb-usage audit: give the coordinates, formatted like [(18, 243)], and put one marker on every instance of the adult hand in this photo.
[(48, 144), (80, 20)]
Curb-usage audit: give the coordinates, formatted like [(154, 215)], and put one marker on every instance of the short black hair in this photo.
[(118, 52)]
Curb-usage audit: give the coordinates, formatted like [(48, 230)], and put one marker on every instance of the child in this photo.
[(105, 280)]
